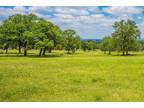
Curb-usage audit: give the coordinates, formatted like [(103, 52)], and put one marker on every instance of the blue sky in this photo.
[(89, 22)]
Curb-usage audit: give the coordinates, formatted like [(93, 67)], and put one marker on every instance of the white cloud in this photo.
[(87, 21), (64, 16), (71, 10), (5, 12), (93, 9), (40, 9), (60, 10), (120, 10), (19, 10), (92, 26)]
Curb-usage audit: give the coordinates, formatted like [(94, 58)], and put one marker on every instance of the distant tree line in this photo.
[(31, 32)]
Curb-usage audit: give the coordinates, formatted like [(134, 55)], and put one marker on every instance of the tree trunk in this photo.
[(25, 48), (6, 50), (49, 50), (127, 52), (19, 47), (44, 51), (40, 52), (123, 53), (109, 52), (68, 51), (25, 51)]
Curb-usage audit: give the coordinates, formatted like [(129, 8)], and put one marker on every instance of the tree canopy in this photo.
[(125, 34), (23, 32), (71, 40)]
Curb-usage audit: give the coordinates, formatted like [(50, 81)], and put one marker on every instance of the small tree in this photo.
[(107, 45), (88, 45), (84, 45), (72, 41)]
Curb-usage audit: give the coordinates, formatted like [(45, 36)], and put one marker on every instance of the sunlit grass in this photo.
[(89, 76)]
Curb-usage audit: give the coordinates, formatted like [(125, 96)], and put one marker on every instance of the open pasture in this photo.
[(82, 77)]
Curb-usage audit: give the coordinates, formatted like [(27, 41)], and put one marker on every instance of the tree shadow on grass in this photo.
[(129, 55), (31, 55), (46, 56)]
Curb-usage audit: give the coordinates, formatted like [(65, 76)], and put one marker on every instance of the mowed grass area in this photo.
[(82, 77)]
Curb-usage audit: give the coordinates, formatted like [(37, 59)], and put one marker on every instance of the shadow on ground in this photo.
[(32, 55)]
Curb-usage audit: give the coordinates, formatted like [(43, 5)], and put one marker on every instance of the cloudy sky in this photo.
[(89, 22)]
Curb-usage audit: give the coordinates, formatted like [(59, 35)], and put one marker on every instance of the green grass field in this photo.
[(90, 76)]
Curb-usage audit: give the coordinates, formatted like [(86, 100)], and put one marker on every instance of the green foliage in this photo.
[(7, 38), (29, 39), (125, 34), (71, 40), (141, 45), (89, 45), (107, 44), (45, 43), (29, 32), (47, 35), (17, 27)]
